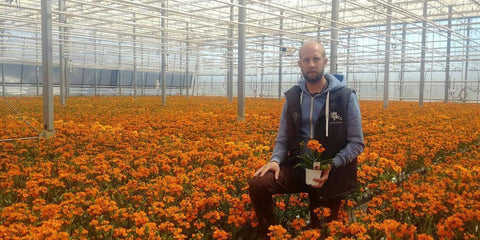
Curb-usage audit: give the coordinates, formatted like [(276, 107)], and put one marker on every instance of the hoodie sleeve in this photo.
[(281, 147), (355, 144)]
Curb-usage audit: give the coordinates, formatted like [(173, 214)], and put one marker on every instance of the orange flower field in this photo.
[(131, 168)]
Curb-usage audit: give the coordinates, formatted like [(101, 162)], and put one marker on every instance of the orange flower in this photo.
[(134, 168), (120, 232), (281, 205), (356, 229), (309, 235), (298, 223), (213, 216), (277, 232), (140, 218), (221, 234), (314, 145), (322, 212)]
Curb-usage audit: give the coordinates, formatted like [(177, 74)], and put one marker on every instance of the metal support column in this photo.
[(241, 60), (447, 67), (195, 75), (142, 73), (319, 22), (187, 50), (280, 54), (119, 74), (67, 60), (422, 58), (334, 36), (61, 34), (347, 71), (38, 56), (467, 56), (2, 32), (386, 72), (230, 54), (134, 74), (3, 79), (163, 42), (262, 70), (47, 69), (95, 70), (402, 62), (179, 68)]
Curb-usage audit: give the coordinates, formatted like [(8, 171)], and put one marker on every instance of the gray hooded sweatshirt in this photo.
[(311, 107)]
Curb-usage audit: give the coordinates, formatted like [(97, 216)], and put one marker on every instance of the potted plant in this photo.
[(312, 161)]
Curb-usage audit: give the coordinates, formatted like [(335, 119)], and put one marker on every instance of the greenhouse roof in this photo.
[(120, 33)]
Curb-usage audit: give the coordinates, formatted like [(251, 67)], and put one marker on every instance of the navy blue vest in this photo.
[(343, 179)]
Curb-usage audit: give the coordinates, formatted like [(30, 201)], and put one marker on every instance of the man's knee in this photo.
[(254, 184), (259, 185)]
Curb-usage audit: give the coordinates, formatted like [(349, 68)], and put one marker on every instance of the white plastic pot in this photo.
[(310, 174)]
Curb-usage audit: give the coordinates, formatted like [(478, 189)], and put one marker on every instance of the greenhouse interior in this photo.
[(157, 119), (123, 47)]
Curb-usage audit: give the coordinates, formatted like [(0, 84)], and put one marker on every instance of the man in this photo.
[(319, 107)]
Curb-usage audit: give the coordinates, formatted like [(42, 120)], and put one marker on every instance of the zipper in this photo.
[(312, 100), (311, 116)]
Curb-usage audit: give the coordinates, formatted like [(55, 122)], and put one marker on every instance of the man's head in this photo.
[(312, 61)]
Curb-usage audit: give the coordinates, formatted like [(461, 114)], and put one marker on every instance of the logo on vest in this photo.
[(335, 118)]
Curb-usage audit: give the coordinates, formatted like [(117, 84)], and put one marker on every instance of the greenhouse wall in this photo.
[(24, 79), (21, 80)]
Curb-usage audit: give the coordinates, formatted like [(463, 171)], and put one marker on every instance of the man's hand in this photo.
[(323, 179), (271, 166)]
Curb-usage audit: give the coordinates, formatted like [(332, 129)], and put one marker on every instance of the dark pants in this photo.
[(261, 190)]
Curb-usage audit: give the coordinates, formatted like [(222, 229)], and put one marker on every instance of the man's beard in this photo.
[(315, 79)]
